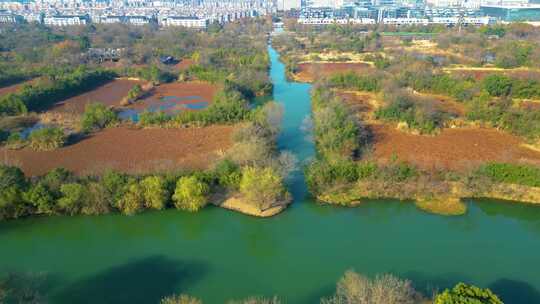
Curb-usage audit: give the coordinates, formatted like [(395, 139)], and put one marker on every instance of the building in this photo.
[(287, 5), (529, 12), (192, 22), (65, 20), (7, 17), (139, 20)]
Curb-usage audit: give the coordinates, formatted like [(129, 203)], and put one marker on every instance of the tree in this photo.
[(155, 192), (257, 300), (74, 198), (115, 184), (133, 200), (498, 85), (47, 139), (97, 116), (12, 185), (41, 198), (191, 193), (467, 294), (262, 187), (354, 288), (180, 299)]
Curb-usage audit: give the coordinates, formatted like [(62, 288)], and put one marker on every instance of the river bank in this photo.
[(444, 198)]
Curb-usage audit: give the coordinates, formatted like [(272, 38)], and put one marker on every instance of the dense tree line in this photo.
[(355, 288), (43, 94)]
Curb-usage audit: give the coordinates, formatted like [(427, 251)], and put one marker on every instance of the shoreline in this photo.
[(449, 200)]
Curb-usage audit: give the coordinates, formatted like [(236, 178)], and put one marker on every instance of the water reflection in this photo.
[(145, 280)]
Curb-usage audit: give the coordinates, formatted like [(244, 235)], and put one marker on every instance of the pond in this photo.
[(169, 105), (219, 255)]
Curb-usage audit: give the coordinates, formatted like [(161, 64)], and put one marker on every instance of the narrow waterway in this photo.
[(219, 255)]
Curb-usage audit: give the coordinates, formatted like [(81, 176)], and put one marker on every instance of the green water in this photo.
[(219, 255)]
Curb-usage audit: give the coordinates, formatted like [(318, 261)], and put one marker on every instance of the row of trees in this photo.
[(56, 87), (61, 192), (355, 288)]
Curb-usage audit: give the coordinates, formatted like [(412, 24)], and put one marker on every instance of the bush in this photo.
[(512, 174), (116, 185), (41, 197), (181, 299), (12, 185), (74, 198), (419, 115), (147, 118), (191, 193), (498, 85), (134, 94), (133, 200), (262, 187), (47, 139), (15, 141), (337, 133), (97, 116), (351, 80), (354, 288), (463, 293), (156, 194), (257, 300), (228, 174)]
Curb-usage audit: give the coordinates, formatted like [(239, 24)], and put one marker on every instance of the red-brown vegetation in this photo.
[(452, 149), (110, 94), (128, 150), (312, 71)]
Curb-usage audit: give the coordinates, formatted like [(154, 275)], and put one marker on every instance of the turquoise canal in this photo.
[(219, 255)]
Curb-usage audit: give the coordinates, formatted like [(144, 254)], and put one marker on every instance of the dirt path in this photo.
[(127, 150)]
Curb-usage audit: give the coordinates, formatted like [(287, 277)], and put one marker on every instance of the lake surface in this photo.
[(219, 255)]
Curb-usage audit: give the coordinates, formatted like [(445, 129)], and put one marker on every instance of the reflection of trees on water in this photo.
[(526, 214), (28, 288), (142, 281)]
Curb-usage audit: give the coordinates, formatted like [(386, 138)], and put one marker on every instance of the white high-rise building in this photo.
[(324, 3), (286, 5)]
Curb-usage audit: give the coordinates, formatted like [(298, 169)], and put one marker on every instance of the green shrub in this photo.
[(228, 174), (134, 93), (41, 197), (156, 194), (513, 174), (15, 141), (191, 193), (419, 115), (115, 184), (47, 139), (351, 80), (497, 85), (74, 198), (97, 116), (336, 131), (463, 293), (262, 187), (159, 118), (133, 200), (12, 186)]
